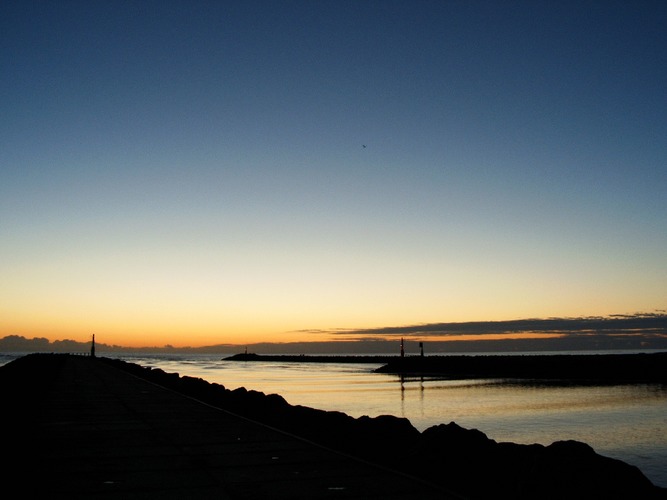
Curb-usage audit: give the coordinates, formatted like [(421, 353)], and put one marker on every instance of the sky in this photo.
[(195, 173)]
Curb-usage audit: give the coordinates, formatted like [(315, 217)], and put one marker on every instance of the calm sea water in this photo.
[(628, 422)]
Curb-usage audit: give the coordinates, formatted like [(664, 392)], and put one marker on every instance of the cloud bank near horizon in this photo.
[(619, 331), (644, 324), (633, 331)]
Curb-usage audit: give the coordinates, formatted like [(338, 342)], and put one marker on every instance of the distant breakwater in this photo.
[(309, 358), (573, 368)]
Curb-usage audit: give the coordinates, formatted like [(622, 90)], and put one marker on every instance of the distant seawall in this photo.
[(308, 358), (603, 368), (573, 368)]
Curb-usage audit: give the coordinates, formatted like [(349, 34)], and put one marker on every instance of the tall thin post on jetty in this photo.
[(92, 347), (402, 350)]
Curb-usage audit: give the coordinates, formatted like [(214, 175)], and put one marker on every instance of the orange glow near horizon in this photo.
[(158, 334), (184, 298), (157, 317), (145, 335)]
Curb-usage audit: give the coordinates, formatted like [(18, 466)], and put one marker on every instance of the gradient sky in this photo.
[(194, 173)]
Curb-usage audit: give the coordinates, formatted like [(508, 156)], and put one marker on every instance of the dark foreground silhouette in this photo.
[(461, 460)]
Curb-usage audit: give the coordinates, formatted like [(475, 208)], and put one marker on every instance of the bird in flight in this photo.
[(363, 146)]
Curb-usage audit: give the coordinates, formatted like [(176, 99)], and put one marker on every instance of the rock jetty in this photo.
[(309, 358), (572, 368)]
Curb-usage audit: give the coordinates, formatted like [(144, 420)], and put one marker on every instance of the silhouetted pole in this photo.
[(421, 348), (402, 350), (92, 348)]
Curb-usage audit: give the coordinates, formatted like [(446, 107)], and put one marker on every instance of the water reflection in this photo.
[(408, 380)]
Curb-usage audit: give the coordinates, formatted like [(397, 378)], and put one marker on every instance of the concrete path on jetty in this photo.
[(76, 427)]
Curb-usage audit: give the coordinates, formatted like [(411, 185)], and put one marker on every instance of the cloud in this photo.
[(651, 324)]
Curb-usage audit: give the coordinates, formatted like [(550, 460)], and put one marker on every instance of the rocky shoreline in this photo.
[(463, 460)]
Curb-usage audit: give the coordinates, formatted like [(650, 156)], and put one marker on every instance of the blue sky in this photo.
[(186, 173)]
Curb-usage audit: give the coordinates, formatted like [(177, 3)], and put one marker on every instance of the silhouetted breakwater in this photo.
[(573, 368), (308, 358), (463, 460)]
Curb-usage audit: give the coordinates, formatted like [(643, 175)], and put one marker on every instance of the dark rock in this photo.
[(571, 469), (471, 463)]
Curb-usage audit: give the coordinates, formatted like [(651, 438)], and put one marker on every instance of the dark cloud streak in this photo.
[(633, 324)]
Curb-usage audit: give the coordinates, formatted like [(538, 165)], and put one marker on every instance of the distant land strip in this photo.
[(579, 368), (303, 358)]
